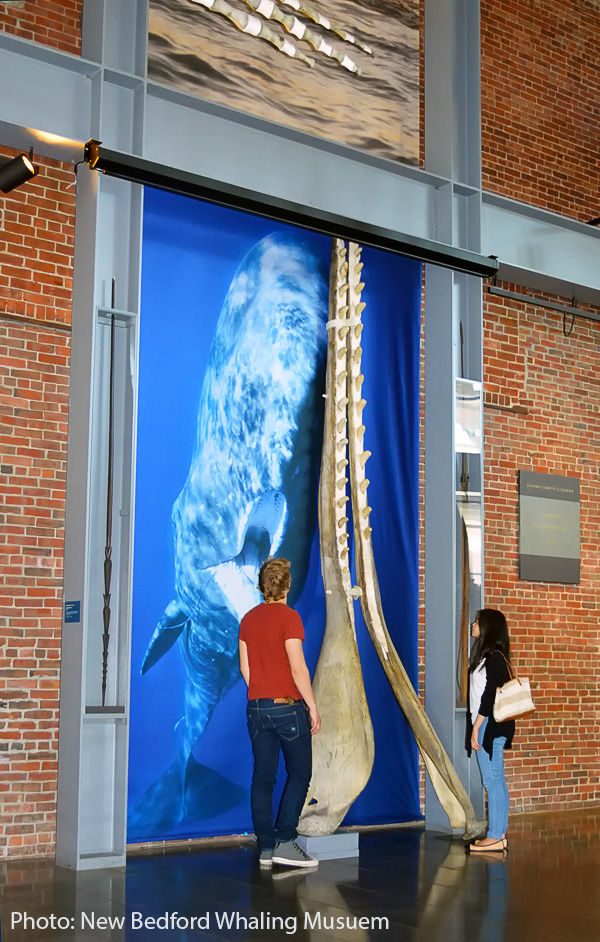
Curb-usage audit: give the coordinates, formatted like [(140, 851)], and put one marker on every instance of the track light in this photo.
[(17, 171)]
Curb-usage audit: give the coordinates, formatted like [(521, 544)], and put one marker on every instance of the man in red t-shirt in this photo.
[(282, 714)]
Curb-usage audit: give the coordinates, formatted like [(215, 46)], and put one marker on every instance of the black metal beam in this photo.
[(139, 170), (541, 302)]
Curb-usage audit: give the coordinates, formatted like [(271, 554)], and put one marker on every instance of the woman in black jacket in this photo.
[(488, 670)]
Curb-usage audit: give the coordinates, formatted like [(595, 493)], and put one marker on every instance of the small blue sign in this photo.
[(73, 611)]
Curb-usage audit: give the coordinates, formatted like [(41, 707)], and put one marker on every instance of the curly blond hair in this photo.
[(274, 579)]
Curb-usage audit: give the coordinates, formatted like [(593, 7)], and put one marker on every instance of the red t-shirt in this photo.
[(265, 629)]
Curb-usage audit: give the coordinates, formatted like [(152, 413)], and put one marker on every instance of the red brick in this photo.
[(32, 559), (539, 126), (47, 23), (554, 628)]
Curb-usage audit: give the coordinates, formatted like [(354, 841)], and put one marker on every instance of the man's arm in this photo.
[(244, 666), (293, 647)]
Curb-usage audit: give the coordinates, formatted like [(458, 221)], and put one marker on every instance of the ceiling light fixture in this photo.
[(16, 171)]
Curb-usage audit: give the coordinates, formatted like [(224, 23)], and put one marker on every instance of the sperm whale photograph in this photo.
[(233, 345)]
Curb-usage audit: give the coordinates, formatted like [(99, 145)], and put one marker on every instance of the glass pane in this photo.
[(468, 443)]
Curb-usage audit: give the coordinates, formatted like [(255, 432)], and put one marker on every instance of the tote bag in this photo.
[(514, 698)]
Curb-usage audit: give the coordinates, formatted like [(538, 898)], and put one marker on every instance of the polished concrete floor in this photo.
[(407, 884)]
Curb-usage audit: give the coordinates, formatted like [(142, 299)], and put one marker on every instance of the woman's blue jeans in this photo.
[(274, 726), (494, 782)]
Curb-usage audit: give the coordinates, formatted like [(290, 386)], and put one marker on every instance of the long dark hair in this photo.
[(493, 636)]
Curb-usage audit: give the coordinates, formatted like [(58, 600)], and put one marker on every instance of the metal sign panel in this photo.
[(548, 528)]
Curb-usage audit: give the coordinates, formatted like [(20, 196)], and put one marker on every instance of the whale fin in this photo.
[(187, 792), (166, 634)]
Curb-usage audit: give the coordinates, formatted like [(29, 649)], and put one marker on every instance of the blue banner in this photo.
[(229, 432)]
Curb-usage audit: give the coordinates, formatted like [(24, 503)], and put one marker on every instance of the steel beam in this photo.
[(452, 301), (541, 250)]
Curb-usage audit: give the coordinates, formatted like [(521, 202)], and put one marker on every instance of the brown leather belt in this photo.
[(288, 700)]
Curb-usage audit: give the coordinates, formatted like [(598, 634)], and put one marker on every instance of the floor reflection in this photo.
[(407, 884)]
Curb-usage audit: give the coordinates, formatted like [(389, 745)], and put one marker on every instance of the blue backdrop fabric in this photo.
[(205, 411)]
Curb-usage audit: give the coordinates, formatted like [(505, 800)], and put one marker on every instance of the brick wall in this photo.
[(36, 259), (555, 629), (540, 93), (55, 23)]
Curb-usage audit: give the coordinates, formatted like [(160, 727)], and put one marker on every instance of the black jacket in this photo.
[(496, 676)]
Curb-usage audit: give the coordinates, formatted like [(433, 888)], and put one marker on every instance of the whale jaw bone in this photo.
[(344, 750), (446, 783)]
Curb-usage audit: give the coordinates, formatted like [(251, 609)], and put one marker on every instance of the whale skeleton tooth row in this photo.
[(324, 23), (254, 26), (266, 10), (298, 29)]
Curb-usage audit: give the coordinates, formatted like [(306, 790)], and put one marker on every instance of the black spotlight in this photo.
[(17, 171)]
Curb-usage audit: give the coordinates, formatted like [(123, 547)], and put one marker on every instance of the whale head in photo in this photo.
[(251, 489)]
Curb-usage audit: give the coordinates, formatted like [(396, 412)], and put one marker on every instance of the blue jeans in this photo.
[(274, 726), (494, 782)]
